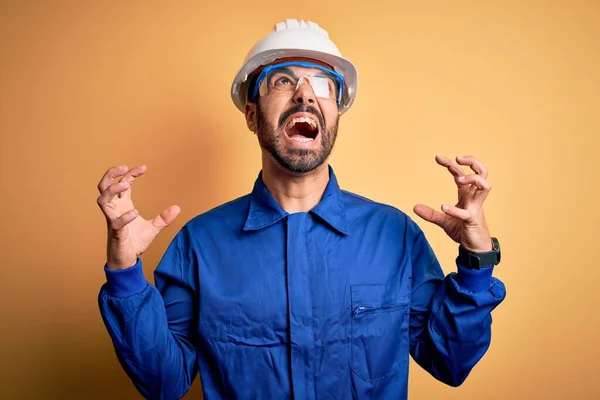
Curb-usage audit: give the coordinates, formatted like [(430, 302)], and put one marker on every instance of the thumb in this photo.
[(429, 214), (166, 217)]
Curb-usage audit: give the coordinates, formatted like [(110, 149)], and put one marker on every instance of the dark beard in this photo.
[(295, 160)]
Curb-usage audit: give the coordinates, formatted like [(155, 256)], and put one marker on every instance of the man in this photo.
[(298, 289)]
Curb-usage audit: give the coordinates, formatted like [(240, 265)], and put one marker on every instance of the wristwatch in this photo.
[(480, 260)]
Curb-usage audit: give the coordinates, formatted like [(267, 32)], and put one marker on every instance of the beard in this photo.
[(299, 161)]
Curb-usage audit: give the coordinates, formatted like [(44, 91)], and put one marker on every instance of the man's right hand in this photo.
[(129, 235)]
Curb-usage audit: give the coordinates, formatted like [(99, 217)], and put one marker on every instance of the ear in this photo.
[(250, 113)]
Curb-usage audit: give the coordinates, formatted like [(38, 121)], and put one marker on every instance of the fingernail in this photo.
[(444, 207), (462, 178)]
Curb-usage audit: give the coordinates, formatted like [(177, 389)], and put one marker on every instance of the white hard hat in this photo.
[(295, 38)]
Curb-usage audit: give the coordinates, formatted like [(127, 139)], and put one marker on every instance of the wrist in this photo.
[(117, 266), (480, 246), (479, 249)]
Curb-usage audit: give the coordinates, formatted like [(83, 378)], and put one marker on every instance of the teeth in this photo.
[(301, 139), (305, 120)]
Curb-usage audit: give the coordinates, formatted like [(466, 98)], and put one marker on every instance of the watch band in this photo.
[(480, 260)]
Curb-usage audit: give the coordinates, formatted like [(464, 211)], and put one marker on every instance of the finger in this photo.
[(110, 175), (119, 223), (454, 169), (130, 176), (481, 185), (110, 192), (165, 218), (134, 173), (429, 214), (474, 163), (456, 212)]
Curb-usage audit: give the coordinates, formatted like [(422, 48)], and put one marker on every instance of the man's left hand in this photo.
[(464, 222)]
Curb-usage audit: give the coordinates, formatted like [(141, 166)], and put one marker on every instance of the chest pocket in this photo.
[(380, 317)]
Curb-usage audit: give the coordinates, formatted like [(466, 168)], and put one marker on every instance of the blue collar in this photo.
[(264, 211)]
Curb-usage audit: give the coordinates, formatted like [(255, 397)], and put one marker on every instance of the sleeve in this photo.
[(450, 320), (152, 328)]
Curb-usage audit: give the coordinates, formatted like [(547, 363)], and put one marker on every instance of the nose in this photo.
[(304, 94)]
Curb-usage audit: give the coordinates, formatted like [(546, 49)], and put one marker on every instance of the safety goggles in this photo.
[(278, 78)]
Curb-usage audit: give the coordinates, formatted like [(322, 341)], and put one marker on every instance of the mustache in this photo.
[(302, 108)]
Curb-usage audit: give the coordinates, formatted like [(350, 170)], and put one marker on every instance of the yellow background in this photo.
[(87, 85)]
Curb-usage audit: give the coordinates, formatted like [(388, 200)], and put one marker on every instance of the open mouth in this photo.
[(302, 129)]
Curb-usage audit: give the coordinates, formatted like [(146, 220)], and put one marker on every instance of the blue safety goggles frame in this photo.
[(338, 77)]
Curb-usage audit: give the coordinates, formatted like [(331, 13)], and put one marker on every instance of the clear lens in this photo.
[(323, 87), (283, 80)]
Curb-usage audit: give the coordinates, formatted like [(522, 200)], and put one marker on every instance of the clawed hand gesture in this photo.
[(465, 221), (129, 235)]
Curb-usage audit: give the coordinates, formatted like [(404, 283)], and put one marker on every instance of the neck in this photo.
[(295, 192)]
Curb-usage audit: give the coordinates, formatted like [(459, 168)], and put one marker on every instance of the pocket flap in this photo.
[(379, 295)]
